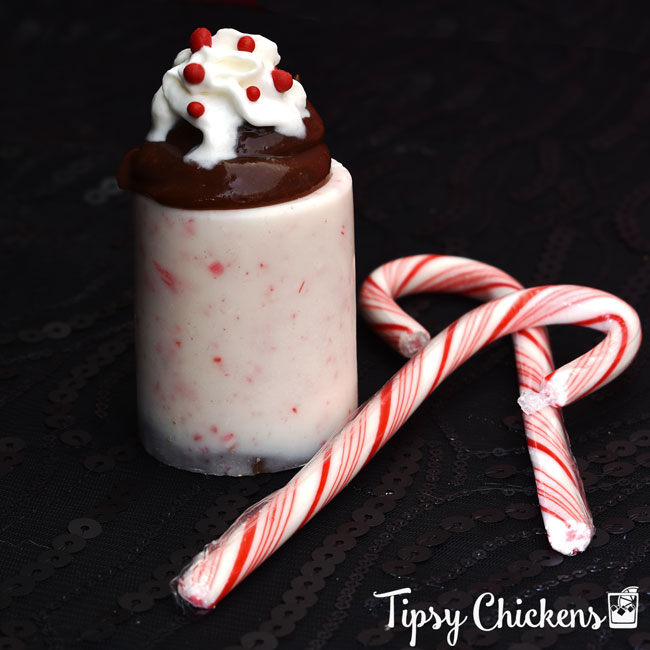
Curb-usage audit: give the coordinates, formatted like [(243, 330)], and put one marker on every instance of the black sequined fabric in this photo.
[(515, 133)]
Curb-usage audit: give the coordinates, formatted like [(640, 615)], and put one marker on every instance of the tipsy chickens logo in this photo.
[(623, 609), (490, 613)]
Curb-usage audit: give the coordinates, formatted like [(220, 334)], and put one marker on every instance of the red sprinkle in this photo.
[(166, 276), (195, 109), (178, 343), (281, 80), (200, 37), (213, 428), (246, 44), (190, 229), (216, 359), (194, 73), (253, 93), (294, 409), (216, 268), (197, 436)]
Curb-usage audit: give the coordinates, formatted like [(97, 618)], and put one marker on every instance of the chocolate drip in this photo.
[(269, 168)]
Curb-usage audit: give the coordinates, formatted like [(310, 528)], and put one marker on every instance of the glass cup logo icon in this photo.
[(623, 609)]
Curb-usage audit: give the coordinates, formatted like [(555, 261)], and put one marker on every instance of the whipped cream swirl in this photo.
[(221, 82)]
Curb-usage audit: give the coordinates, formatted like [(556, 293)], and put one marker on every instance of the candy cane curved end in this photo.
[(596, 368)]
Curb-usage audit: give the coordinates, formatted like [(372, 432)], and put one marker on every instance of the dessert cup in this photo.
[(245, 329)]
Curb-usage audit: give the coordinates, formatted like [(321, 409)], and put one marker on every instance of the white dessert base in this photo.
[(245, 330)]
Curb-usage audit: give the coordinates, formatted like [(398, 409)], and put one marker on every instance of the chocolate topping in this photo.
[(269, 168)]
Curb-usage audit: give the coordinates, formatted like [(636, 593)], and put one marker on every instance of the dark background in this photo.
[(514, 133)]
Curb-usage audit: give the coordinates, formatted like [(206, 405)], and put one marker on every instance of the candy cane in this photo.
[(259, 531), (562, 500)]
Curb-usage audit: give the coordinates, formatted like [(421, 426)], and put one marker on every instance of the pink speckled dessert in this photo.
[(245, 292)]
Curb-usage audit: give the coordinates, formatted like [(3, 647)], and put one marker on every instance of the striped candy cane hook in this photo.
[(562, 500)]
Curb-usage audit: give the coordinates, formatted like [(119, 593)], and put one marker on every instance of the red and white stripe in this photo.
[(559, 487), (263, 528)]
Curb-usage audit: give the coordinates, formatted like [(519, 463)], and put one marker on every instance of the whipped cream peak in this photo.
[(221, 82)]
